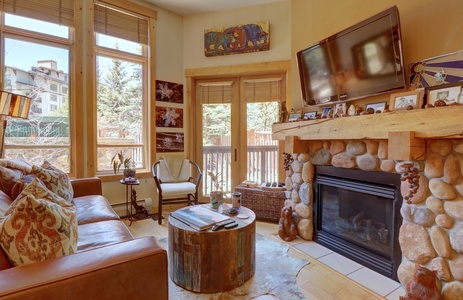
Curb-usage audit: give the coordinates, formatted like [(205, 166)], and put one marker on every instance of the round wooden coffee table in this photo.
[(212, 261)]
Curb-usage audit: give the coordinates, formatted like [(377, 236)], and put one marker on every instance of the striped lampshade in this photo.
[(14, 105)]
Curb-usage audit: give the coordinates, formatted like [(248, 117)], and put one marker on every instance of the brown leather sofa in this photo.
[(109, 263)]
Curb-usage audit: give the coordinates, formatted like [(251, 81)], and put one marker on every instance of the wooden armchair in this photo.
[(175, 183)]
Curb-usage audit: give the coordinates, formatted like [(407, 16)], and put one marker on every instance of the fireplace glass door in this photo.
[(357, 215)]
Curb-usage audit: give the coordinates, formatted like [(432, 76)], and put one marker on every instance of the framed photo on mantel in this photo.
[(446, 94), (406, 100)]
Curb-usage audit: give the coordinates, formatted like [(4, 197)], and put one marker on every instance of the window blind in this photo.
[(120, 24), (215, 92), (262, 90), (54, 11)]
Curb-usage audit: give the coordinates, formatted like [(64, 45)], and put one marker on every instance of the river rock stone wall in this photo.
[(432, 231)]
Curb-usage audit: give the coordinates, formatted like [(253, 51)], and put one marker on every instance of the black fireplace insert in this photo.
[(357, 214)]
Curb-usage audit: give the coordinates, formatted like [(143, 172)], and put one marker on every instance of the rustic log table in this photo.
[(212, 261)]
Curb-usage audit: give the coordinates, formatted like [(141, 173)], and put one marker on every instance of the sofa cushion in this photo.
[(8, 178), (16, 163), (38, 226), (5, 202), (99, 234), (55, 180), (93, 208)]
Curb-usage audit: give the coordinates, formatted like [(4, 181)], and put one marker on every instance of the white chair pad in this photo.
[(177, 189)]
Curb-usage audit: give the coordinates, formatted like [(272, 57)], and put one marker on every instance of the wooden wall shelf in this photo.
[(406, 131)]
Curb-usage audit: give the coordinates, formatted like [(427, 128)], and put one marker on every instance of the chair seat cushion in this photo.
[(177, 189)]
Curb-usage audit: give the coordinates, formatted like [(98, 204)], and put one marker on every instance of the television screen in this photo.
[(360, 61)]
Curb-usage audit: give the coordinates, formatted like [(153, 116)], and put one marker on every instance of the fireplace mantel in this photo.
[(406, 131)]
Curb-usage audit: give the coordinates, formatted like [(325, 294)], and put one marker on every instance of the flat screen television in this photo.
[(360, 61)]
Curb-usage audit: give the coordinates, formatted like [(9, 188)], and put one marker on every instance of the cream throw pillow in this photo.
[(38, 226), (55, 180)]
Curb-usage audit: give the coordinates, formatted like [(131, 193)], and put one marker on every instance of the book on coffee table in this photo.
[(199, 217)]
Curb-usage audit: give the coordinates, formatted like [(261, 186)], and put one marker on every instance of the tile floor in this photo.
[(372, 280)]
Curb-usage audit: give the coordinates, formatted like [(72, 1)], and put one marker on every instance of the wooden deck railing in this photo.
[(262, 162)]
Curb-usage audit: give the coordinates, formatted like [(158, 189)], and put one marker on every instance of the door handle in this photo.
[(236, 154)]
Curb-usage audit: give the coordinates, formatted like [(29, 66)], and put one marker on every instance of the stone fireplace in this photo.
[(427, 155)]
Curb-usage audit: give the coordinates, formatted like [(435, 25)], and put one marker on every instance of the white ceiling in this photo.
[(189, 7)]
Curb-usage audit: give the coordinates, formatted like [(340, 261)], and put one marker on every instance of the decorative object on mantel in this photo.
[(422, 286), (339, 110), (237, 39), (326, 112), (406, 100), (438, 70), (283, 112), (294, 116), (310, 115), (443, 95), (287, 229), (353, 110), (12, 106), (375, 108)]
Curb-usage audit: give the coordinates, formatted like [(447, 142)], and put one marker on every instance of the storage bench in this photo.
[(266, 204)]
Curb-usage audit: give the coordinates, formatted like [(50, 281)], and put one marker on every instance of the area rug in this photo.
[(275, 275)]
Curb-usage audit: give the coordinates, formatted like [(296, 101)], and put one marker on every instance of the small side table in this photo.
[(127, 185)]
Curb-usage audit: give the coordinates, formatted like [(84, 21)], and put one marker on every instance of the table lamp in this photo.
[(12, 106)]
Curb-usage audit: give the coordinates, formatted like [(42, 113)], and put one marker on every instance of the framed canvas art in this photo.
[(169, 92), (169, 117), (237, 39)]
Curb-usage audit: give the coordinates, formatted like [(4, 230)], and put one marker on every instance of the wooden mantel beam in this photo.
[(295, 145), (430, 123), (404, 146)]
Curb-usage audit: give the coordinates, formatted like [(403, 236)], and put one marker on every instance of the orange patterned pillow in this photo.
[(55, 180), (38, 226)]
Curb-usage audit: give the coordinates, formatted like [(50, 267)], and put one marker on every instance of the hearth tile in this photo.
[(374, 281), (313, 249), (396, 294), (340, 263)]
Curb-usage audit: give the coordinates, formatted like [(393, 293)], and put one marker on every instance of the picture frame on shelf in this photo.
[(340, 110), (294, 116), (405, 100), (326, 112), (448, 93), (310, 115), (375, 108)]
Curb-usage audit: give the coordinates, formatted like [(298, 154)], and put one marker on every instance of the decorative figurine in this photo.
[(287, 229), (422, 286)]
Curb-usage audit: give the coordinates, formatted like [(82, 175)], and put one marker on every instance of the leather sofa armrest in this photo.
[(135, 269), (86, 186)]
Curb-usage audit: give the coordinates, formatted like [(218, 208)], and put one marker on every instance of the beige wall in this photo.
[(429, 28), (278, 14)]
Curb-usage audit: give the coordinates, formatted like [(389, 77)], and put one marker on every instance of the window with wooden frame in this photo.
[(37, 38), (121, 75)]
